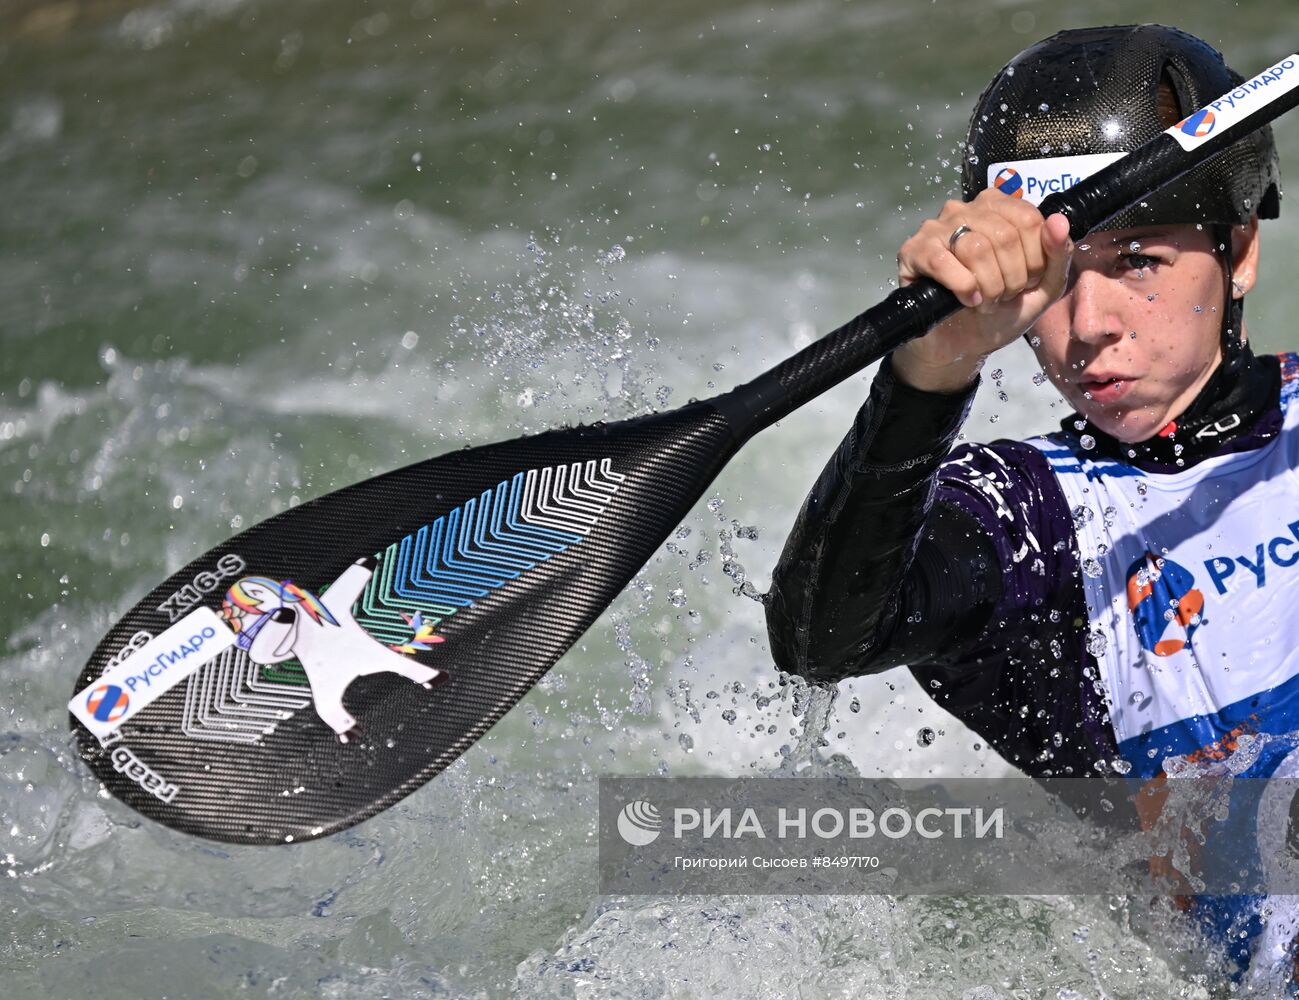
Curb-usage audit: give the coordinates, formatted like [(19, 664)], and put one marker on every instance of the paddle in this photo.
[(327, 662)]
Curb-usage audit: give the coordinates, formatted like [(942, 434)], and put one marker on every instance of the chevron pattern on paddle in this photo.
[(231, 700), (421, 579), (483, 544)]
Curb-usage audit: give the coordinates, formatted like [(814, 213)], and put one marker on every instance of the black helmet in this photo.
[(1064, 107)]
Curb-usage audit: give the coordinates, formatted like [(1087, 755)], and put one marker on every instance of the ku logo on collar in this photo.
[(1162, 599)]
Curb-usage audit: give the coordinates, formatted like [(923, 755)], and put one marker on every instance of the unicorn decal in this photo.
[(275, 621)]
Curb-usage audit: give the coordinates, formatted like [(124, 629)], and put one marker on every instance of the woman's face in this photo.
[(1138, 331)]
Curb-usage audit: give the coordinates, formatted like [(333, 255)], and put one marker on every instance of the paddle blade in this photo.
[(327, 662)]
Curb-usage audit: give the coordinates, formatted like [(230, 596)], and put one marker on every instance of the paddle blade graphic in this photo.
[(327, 662)]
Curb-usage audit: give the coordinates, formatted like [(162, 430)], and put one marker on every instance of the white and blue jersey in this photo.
[(1141, 618)]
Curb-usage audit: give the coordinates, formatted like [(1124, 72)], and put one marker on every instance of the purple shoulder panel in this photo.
[(1027, 684)]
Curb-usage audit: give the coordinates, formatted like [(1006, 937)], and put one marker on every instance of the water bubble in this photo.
[(715, 504), (1092, 568), (1120, 766), (997, 373), (925, 737), (1044, 107), (1039, 378), (677, 598), (1097, 643), (1087, 441), (1035, 341), (1141, 488), (854, 706), (729, 715), (1084, 246), (409, 339), (1081, 515), (1080, 425), (1134, 246)]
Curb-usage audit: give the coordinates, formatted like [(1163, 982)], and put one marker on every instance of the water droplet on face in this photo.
[(1084, 246), (1134, 246), (1034, 341)]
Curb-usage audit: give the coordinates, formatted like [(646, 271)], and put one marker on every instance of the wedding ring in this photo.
[(957, 233)]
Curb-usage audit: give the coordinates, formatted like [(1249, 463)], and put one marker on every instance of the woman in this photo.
[(1080, 599)]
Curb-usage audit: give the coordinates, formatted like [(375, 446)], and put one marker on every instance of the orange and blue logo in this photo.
[(107, 703), (1009, 182), (1199, 124), (1166, 608)]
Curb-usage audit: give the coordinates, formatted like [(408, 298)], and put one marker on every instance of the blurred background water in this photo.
[(251, 252)]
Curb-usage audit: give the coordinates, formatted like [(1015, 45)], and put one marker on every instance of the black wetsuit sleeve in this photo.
[(874, 573)]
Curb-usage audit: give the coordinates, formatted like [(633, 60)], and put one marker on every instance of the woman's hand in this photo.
[(1007, 267)]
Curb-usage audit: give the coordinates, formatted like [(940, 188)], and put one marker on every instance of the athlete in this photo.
[(1116, 596)]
